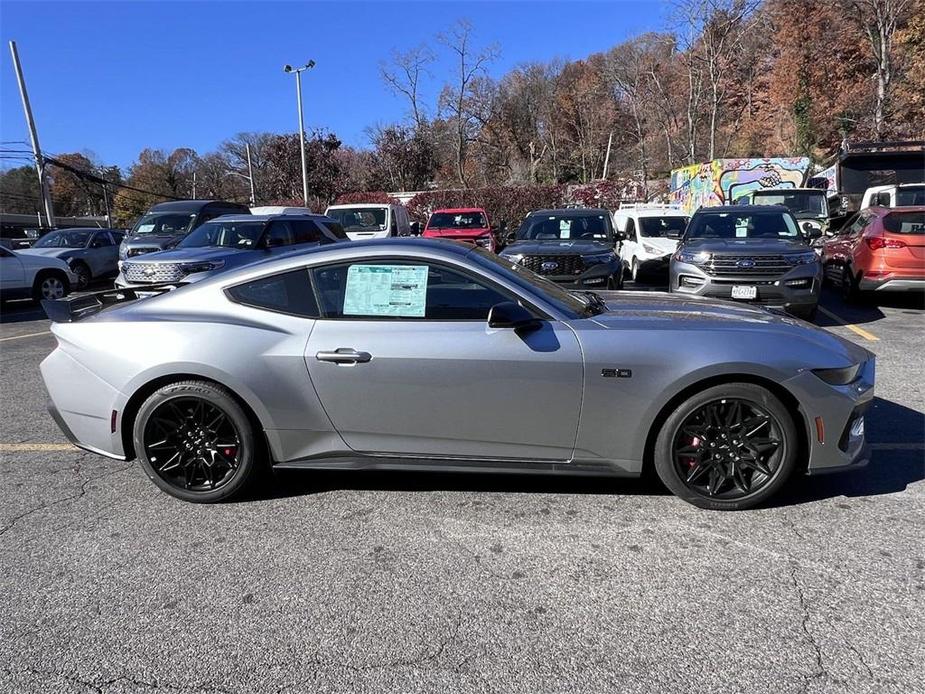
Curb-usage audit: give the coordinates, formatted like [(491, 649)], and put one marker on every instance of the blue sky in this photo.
[(115, 77)]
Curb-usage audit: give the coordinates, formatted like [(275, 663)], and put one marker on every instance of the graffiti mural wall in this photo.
[(723, 181)]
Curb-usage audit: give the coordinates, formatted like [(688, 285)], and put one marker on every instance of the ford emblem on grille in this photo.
[(746, 262), (549, 266)]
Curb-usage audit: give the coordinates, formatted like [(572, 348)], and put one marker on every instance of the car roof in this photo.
[(453, 210), (726, 209), (577, 211), (269, 217), (193, 205), (362, 204)]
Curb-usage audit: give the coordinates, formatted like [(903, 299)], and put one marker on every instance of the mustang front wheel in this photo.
[(195, 442), (728, 447)]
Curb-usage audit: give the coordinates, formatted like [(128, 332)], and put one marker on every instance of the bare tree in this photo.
[(470, 64), (879, 20), (403, 76)]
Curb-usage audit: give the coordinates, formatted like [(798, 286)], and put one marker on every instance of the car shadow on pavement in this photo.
[(897, 437), (867, 309), (21, 312), (898, 460)]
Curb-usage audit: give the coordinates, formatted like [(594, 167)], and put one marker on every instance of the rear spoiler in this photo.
[(74, 308)]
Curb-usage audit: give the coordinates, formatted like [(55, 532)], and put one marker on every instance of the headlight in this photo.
[(204, 266), (839, 377), (651, 249), (599, 258), (513, 257), (803, 258), (484, 242), (691, 256), (123, 251)]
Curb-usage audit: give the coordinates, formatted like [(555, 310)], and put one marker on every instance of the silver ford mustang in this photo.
[(415, 354)]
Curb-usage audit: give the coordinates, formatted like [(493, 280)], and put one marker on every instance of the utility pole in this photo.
[(298, 91), (108, 208), (607, 156), (194, 185), (36, 149), (250, 173)]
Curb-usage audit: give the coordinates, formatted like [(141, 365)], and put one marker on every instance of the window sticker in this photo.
[(565, 229), (146, 228), (386, 290)]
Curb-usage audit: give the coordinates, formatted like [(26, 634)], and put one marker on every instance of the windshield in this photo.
[(913, 195), (164, 223), (360, 218), (662, 227), (457, 220), (742, 225), (905, 223), (570, 303), (798, 202), (565, 226), (224, 235), (64, 239)]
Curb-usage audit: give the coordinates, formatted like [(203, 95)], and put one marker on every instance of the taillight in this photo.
[(877, 242)]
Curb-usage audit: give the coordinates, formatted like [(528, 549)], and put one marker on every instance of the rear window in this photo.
[(905, 222)]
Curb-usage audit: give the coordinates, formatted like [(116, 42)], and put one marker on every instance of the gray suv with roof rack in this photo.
[(753, 253), (165, 224), (229, 242)]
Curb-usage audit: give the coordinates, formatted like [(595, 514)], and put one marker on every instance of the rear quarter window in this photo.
[(289, 292)]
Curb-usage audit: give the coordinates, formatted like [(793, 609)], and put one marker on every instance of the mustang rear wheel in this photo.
[(728, 447), (195, 442)]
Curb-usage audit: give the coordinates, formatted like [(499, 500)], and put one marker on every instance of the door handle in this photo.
[(344, 355)]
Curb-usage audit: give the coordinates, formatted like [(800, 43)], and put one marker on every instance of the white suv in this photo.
[(371, 221), (650, 236), (23, 276)]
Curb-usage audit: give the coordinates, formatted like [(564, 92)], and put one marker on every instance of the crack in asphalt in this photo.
[(81, 491), (98, 686), (820, 672)]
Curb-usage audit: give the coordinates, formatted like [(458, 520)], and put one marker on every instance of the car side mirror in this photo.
[(416, 228), (510, 237), (511, 315), (620, 236), (811, 231)]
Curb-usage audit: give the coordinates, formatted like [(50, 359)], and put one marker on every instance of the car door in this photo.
[(12, 274), (102, 254), (405, 364)]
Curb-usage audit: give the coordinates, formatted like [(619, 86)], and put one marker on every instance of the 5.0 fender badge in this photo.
[(617, 373)]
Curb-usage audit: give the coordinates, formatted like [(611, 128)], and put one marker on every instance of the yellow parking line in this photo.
[(20, 337), (853, 328), (32, 447)]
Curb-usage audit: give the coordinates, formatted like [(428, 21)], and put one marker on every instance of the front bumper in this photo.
[(796, 288), (595, 276), (834, 419)]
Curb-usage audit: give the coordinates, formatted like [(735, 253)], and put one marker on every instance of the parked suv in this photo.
[(650, 236), (371, 221), (809, 206), (229, 242), (165, 224), (23, 276), (574, 247), (90, 253), (466, 224), (754, 253), (883, 250)]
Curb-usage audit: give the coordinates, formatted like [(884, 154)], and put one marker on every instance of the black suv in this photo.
[(165, 224), (573, 247)]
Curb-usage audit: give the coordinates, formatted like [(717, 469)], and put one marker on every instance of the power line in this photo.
[(102, 181)]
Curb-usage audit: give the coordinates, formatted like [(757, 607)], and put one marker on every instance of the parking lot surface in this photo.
[(367, 582)]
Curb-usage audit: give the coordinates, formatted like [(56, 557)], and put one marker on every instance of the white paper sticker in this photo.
[(146, 228), (565, 229), (386, 290)]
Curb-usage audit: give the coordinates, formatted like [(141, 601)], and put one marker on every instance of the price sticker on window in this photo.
[(386, 290)]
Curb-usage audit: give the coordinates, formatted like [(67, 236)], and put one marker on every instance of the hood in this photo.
[(48, 252), (662, 243), (187, 255), (746, 246), (717, 314), (150, 240), (456, 233), (558, 247)]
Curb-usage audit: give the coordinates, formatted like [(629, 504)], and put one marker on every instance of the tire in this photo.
[(50, 285), (848, 287), (634, 270), (185, 418), (84, 276), (746, 487)]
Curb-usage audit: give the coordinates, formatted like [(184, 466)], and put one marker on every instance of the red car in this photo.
[(882, 250), (466, 224)]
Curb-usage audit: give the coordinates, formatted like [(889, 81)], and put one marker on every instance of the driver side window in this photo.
[(403, 289), (630, 229)]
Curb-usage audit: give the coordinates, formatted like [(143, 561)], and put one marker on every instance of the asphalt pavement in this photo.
[(372, 582)]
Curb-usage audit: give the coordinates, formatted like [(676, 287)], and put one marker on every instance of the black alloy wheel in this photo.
[(729, 447), (195, 442)]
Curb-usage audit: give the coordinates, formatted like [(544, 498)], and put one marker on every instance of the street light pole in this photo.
[(298, 91), (250, 174)]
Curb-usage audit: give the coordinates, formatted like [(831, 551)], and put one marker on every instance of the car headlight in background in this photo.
[(598, 258), (483, 242), (513, 257), (803, 258), (652, 249), (123, 251), (203, 266), (693, 257), (840, 377)]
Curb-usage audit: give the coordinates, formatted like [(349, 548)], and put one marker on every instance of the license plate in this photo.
[(741, 291)]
